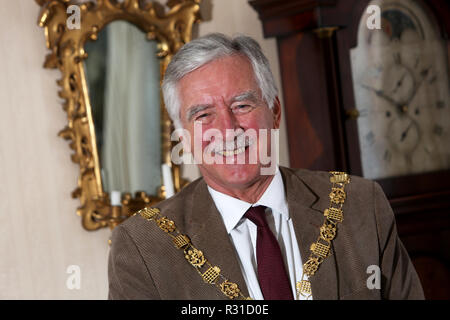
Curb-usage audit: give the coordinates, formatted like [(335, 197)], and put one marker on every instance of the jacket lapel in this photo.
[(307, 200), (205, 227)]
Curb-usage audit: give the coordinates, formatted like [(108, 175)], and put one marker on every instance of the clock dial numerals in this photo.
[(387, 156), (438, 130), (440, 104), (397, 58), (416, 63), (432, 79), (370, 138)]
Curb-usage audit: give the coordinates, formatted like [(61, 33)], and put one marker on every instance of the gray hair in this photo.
[(208, 48)]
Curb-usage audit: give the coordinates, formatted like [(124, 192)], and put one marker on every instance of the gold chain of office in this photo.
[(212, 274), (327, 232), (209, 273)]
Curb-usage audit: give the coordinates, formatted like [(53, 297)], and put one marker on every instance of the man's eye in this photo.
[(202, 116), (242, 108)]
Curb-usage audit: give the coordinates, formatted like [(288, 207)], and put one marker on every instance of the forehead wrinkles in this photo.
[(249, 95)]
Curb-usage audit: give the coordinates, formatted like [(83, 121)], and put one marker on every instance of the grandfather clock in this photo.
[(366, 89)]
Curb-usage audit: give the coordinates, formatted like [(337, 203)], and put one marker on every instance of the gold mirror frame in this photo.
[(171, 30)]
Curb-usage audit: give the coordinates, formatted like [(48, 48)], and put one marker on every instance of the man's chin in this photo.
[(234, 175)]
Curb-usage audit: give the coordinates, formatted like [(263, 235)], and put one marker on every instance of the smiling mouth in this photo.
[(226, 153), (236, 151)]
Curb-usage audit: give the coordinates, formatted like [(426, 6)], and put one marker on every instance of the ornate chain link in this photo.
[(327, 232), (209, 273)]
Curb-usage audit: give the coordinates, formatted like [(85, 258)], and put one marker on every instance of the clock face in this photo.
[(402, 93)]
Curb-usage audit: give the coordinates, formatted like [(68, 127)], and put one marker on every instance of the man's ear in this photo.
[(276, 110)]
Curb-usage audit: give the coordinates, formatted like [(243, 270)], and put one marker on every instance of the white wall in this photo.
[(40, 234)]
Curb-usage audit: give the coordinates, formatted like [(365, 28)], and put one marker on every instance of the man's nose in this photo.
[(227, 124)]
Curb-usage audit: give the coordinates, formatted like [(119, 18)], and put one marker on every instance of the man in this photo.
[(243, 230)]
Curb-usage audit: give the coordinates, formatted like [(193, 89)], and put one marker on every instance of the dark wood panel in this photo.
[(416, 185), (426, 237), (286, 17), (434, 275), (306, 102)]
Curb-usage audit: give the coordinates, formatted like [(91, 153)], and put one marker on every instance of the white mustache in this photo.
[(229, 147)]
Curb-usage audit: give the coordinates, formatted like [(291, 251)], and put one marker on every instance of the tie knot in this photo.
[(257, 215)]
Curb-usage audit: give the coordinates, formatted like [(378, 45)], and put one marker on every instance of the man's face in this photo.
[(223, 96)]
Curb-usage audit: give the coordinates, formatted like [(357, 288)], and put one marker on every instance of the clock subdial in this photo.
[(399, 84), (404, 136), (397, 87)]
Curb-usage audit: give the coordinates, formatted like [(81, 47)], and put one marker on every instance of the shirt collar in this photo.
[(232, 209)]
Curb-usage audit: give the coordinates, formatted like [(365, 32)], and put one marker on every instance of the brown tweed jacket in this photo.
[(144, 264)]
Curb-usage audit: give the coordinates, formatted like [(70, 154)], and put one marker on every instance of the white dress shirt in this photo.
[(243, 233)]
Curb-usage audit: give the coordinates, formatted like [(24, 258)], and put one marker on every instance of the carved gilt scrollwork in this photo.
[(171, 30)]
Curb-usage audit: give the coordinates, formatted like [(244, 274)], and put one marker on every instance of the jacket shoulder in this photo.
[(137, 226)]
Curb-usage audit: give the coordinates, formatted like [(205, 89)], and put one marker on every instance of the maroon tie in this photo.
[(272, 276)]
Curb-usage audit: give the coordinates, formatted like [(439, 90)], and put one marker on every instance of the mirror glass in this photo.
[(123, 78)]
